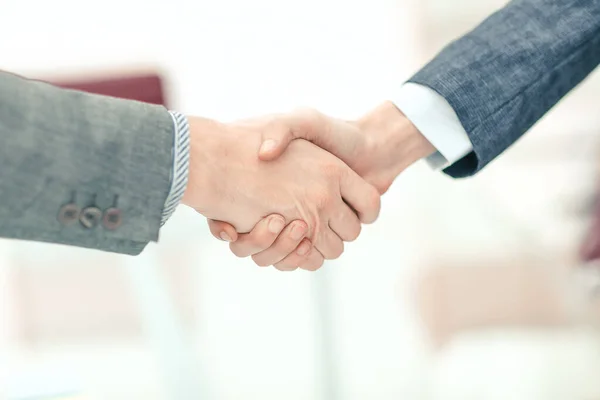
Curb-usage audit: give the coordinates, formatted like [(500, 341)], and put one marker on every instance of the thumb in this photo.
[(275, 139), (222, 230)]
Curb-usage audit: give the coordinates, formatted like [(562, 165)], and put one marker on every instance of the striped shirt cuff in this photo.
[(181, 165)]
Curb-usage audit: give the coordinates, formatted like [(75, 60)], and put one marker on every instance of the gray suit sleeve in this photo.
[(502, 77), (93, 153)]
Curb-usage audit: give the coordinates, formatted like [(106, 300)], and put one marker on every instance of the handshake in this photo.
[(293, 203)]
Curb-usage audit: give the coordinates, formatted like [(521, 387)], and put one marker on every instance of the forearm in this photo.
[(62, 147)]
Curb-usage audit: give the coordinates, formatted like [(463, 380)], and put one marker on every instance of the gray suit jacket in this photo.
[(81, 169), (502, 77)]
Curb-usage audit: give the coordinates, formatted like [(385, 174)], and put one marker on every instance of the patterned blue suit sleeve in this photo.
[(502, 77)]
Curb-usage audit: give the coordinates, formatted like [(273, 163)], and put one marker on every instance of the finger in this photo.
[(313, 260), (361, 196), (260, 238), (222, 230), (329, 244), (276, 136), (345, 223), (285, 244), (293, 260)]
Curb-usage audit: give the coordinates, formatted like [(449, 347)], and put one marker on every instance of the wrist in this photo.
[(398, 134), (392, 136), (200, 192)]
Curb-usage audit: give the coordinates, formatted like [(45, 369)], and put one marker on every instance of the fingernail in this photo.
[(225, 236), (297, 231), (303, 249), (268, 145), (276, 225)]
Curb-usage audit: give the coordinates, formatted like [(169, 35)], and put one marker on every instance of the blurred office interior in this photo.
[(467, 289)]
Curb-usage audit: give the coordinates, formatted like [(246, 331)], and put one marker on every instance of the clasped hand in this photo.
[(293, 203)]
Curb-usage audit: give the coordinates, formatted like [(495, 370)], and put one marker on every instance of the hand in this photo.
[(378, 147), (229, 183), (268, 245)]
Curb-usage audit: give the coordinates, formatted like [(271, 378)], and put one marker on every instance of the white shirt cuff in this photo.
[(437, 121)]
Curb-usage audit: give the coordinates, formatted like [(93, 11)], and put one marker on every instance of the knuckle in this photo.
[(381, 184), (281, 129), (238, 250), (354, 233), (314, 261), (322, 198), (335, 255), (335, 252), (307, 120), (307, 113), (373, 204), (285, 267), (312, 266), (214, 229), (374, 198), (261, 262)]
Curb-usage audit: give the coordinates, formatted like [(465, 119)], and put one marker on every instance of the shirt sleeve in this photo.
[(181, 165), (437, 121)]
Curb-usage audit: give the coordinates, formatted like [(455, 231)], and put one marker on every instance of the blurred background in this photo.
[(468, 289)]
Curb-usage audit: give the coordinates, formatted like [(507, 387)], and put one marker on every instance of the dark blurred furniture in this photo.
[(144, 87)]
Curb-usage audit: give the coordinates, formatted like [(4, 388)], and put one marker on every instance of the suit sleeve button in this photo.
[(112, 219), (68, 214), (90, 217)]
